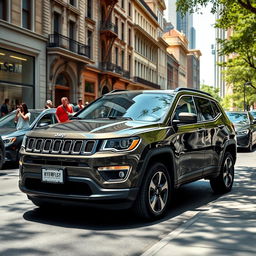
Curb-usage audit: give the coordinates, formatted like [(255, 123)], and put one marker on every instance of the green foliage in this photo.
[(213, 91)]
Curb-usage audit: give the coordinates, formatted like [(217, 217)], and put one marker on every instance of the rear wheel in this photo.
[(250, 145), (154, 195), (224, 182)]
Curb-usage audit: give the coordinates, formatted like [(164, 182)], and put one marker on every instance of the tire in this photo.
[(224, 182), (250, 147), (1, 158), (154, 195)]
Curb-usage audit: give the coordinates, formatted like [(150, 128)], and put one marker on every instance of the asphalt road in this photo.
[(26, 230)]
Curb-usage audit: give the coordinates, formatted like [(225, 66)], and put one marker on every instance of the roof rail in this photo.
[(117, 90), (192, 90)]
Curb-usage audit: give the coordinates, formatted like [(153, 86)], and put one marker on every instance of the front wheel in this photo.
[(224, 182), (1, 158), (250, 147), (154, 195)]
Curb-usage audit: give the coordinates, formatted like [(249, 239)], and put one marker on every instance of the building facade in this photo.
[(22, 53), (193, 73)]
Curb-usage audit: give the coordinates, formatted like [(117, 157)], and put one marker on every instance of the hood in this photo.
[(12, 132), (99, 129)]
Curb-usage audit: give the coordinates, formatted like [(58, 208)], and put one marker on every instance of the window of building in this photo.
[(122, 4), (56, 23), (3, 9), (89, 91), (116, 55), (122, 31), (130, 9), (72, 30), (72, 2), (122, 59), (129, 37), (89, 8), (130, 63), (26, 14), (116, 23), (90, 42)]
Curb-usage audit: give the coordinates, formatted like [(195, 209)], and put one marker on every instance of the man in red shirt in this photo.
[(64, 110)]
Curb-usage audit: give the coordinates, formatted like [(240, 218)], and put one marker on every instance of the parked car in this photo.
[(245, 126), (2, 153), (130, 149), (12, 138), (253, 112)]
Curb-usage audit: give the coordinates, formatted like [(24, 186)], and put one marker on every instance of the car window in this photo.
[(215, 108), (204, 109), (47, 119), (185, 104), (238, 117)]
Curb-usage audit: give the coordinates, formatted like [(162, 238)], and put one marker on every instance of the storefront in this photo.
[(17, 80)]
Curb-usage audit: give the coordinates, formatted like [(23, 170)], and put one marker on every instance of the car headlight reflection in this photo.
[(121, 144), (8, 141), (243, 132)]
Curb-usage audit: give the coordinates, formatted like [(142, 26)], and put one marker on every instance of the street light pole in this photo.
[(244, 97), (247, 83)]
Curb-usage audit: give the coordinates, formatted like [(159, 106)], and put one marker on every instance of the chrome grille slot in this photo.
[(88, 146), (66, 148), (30, 144), (47, 145), (77, 146), (38, 145), (56, 146)]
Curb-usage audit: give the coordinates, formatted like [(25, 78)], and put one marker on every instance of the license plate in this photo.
[(51, 175)]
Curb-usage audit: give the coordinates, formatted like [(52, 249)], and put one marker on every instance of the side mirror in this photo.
[(42, 124), (186, 118)]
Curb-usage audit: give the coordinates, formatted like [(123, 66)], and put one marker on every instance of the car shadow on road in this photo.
[(189, 198)]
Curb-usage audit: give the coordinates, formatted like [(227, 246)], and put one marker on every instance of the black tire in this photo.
[(154, 195), (1, 158), (224, 182), (250, 147)]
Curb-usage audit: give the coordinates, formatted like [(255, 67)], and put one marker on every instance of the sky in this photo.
[(205, 37)]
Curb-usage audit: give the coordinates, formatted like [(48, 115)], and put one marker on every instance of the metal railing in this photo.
[(109, 26), (146, 82), (58, 40), (109, 66)]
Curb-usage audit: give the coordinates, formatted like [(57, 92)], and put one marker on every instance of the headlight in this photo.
[(23, 144), (122, 144), (8, 140), (243, 132)]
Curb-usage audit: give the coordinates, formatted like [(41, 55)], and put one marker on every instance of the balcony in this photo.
[(58, 40), (146, 82), (111, 67), (109, 27)]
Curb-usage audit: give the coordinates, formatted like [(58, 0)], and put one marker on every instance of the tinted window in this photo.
[(204, 109), (186, 105), (239, 118), (215, 108), (137, 106)]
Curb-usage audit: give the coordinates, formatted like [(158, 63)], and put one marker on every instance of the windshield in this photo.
[(150, 107), (238, 118), (8, 120)]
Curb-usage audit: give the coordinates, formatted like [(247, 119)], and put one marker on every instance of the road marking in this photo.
[(172, 235)]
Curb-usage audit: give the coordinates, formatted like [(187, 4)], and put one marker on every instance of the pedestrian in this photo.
[(79, 105), (48, 104), (64, 110), (5, 108), (22, 117)]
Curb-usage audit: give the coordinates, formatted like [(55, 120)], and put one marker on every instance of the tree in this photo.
[(194, 5), (213, 91)]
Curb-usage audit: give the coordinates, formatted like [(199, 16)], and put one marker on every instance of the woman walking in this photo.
[(22, 117)]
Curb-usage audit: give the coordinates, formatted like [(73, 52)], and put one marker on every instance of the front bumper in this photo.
[(243, 141)]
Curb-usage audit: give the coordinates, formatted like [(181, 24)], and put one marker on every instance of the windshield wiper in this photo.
[(119, 117)]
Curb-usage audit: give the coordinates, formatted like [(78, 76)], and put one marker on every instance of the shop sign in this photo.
[(11, 67)]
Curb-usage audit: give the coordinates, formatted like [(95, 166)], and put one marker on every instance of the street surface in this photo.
[(26, 230)]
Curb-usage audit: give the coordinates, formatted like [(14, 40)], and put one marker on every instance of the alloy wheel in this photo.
[(158, 192), (228, 172)]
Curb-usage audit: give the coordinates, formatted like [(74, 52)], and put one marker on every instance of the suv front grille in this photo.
[(60, 146)]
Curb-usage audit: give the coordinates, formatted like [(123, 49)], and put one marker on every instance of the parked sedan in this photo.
[(12, 137), (2, 153), (253, 112), (245, 126)]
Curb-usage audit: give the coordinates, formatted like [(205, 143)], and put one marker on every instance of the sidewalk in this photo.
[(226, 226)]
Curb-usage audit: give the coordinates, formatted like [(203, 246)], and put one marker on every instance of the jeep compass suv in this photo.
[(130, 149)]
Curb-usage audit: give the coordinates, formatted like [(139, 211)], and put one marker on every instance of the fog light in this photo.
[(114, 173)]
